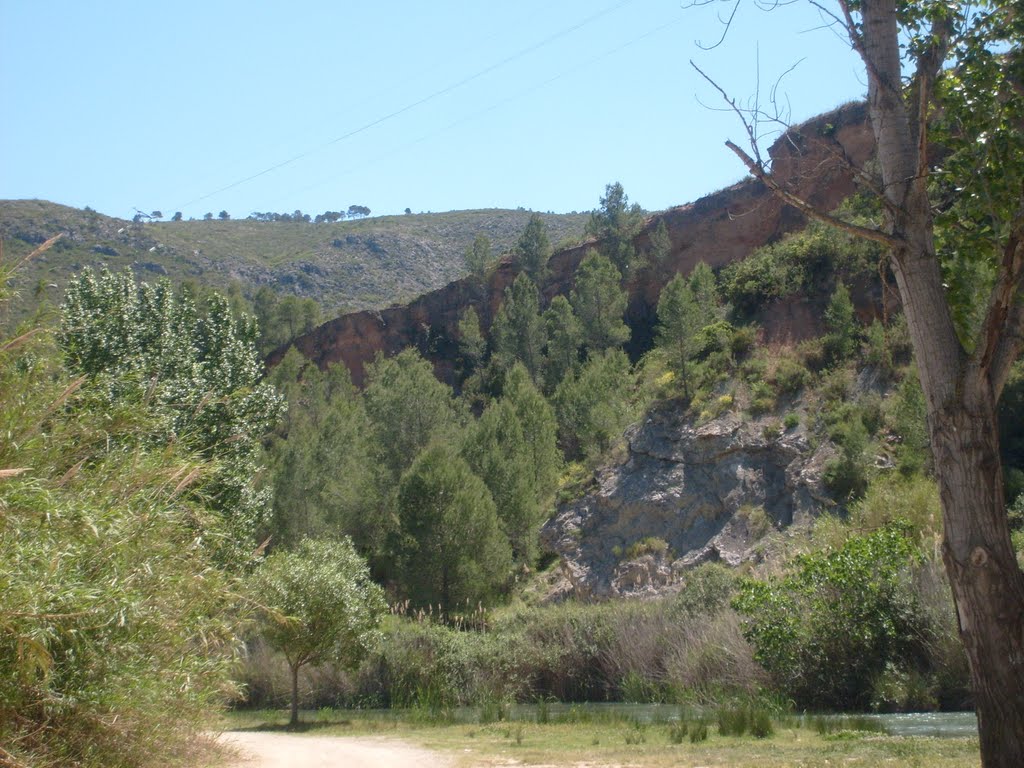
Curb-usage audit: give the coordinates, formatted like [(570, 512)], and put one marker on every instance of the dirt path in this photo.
[(280, 750)]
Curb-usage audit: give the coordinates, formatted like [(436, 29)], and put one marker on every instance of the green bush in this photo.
[(650, 545), (790, 376), (677, 732), (733, 721), (698, 732), (708, 589), (846, 477), (116, 633), (762, 398), (826, 632), (761, 724), (636, 733)]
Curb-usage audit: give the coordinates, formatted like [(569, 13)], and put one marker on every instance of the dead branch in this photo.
[(802, 205)]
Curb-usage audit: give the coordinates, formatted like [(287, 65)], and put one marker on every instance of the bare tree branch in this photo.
[(735, 108), (929, 62), (1002, 334), (802, 205)]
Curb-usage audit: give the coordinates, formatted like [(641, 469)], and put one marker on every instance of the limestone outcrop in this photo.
[(684, 495)]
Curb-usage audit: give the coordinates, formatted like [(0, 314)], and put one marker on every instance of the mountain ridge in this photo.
[(365, 263), (815, 159)]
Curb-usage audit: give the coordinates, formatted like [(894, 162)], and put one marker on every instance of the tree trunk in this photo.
[(987, 584), (294, 721)]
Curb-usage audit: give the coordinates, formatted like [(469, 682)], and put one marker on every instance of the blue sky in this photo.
[(258, 106)]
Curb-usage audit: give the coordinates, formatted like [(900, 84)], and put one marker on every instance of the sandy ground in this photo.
[(281, 750)]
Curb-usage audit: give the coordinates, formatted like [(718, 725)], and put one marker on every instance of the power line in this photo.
[(436, 94), (497, 105)]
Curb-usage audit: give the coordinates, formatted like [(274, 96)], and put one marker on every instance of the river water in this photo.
[(938, 724)]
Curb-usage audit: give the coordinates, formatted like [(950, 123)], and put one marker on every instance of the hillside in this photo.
[(360, 264), (718, 229)]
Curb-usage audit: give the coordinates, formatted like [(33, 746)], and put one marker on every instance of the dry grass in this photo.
[(606, 744)]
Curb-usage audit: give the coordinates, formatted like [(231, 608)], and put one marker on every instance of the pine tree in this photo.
[(534, 248), (518, 332), (600, 303), (565, 337), (679, 321)]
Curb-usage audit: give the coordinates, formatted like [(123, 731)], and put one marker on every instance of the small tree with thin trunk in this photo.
[(319, 605)]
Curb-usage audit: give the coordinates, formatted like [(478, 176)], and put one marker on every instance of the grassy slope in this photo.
[(348, 265)]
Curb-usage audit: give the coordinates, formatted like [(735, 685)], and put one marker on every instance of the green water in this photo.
[(936, 724)]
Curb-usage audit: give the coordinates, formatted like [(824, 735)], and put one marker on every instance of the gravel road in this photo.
[(279, 750)]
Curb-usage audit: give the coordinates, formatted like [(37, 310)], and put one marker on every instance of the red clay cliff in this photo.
[(815, 159)]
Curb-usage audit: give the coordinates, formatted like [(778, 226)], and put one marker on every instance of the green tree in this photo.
[(659, 253), (513, 448), (679, 322), (322, 471), (472, 344), (451, 549), (704, 286), (565, 337), (841, 321), (200, 376), (408, 408), (108, 574), (533, 249), (319, 605), (950, 73), (600, 303), (496, 451), (540, 429), (616, 223), (595, 406), (827, 633), (518, 330), (478, 259)]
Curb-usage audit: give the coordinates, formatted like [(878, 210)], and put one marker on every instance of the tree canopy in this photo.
[(318, 604), (197, 373)]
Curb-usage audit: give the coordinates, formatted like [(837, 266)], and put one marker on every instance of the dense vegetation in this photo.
[(149, 469), (119, 516)]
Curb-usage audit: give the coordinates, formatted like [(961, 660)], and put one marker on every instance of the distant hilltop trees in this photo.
[(327, 217), (353, 212)]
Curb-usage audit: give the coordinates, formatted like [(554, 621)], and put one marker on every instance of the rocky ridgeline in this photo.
[(685, 495), (813, 160)]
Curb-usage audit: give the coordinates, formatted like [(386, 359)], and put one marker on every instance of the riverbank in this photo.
[(609, 743)]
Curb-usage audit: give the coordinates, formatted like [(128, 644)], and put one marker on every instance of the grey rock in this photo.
[(700, 489)]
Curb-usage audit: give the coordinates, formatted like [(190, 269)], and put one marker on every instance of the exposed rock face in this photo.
[(708, 492), (717, 229)]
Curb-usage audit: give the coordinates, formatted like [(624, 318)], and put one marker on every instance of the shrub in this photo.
[(792, 420), (790, 376), (707, 590), (826, 632), (677, 732), (698, 732), (733, 721), (743, 340), (116, 631), (651, 545), (847, 476), (762, 398), (761, 724), (636, 733)]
